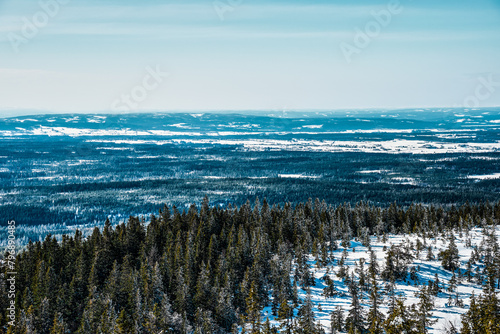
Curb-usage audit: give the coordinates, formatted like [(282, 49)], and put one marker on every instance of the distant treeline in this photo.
[(212, 269)]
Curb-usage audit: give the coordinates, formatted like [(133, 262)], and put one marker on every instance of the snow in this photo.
[(483, 158), (77, 131), (395, 146), (404, 180), (297, 176), (180, 126), (95, 119), (26, 120), (114, 148), (375, 171), (485, 177), (72, 119), (313, 126), (427, 270)]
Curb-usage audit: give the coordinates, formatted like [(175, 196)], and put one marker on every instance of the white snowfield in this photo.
[(297, 176), (43, 130), (485, 177), (426, 271), (395, 146)]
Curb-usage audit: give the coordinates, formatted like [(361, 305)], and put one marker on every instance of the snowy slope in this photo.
[(427, 270)]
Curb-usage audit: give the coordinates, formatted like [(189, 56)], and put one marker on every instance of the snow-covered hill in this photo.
[(426, 270)]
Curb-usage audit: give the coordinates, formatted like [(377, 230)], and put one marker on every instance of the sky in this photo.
[(189, 55)]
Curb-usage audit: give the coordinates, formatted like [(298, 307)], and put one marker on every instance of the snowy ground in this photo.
[(427, 270)]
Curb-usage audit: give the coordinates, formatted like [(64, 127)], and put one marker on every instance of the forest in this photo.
[(250, 269), (81, 169)]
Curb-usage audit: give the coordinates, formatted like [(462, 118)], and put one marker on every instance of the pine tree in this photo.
[(253, 309), (452, 286), (360, 270), (329, 290), (471, 320), (285, 316), (302, 271), (390, 289), (399, 321), (123, 323), (268, 329), (337, 320), (424, 308), (449, 257), (202, 297), (375, 318), (355, 320), (59, 326), (306, 319), (373, 268)]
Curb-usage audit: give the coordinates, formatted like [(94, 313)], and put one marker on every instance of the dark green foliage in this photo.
[(423, 310), (214, 269), (355, 321), (306, 320), (396, 263), (337, 320), (483, 315), (400, 320), (449, 257)]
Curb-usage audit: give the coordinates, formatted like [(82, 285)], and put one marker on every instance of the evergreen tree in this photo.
[(268, 329), (399, 320), (355, 321), (329, 290), (424, 308), (253, 309), (375, 318), (59, 326), (306, 321), (337, 320), (285, 316), (449, 257)]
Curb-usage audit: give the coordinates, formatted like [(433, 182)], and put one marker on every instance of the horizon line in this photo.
[(38, 112)]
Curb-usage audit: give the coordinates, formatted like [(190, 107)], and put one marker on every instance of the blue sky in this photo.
[(248, 54)]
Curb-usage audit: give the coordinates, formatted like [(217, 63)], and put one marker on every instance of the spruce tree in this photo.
[(285, 316), (355, 320), (449, 257), (399, 320), (424, 308), (375, 317), (253, 309), (306, 321), (337, 320), (329, 290)]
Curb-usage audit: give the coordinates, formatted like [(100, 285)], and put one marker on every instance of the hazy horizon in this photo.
[(21, 113)]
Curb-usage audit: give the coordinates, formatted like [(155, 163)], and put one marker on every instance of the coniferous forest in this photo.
[(251, 269)]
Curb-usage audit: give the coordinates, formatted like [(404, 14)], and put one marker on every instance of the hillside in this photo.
[(220, 270), (425, 269)]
